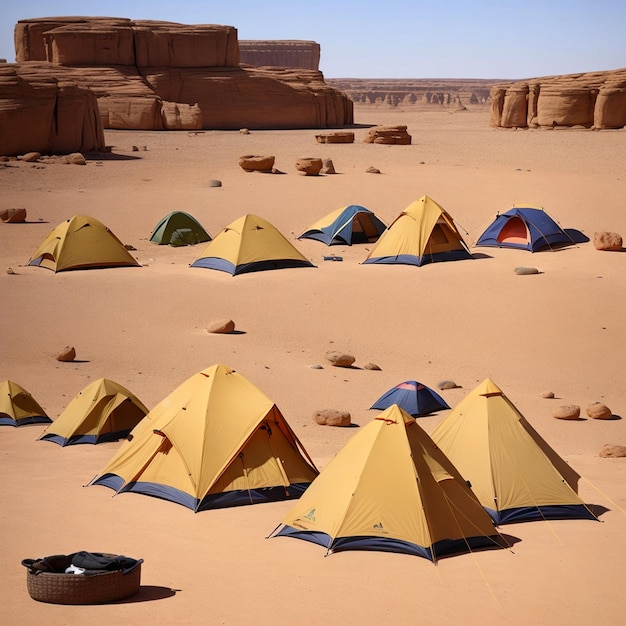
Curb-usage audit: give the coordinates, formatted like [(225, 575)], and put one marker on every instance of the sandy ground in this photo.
[(561, 330)]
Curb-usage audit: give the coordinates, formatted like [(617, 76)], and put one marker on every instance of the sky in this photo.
[(487, 39)]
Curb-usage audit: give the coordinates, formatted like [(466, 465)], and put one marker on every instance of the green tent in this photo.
[(179, 229)]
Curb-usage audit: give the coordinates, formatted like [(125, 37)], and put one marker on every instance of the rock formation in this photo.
[(149, 75), (589, 100), (290, 53)]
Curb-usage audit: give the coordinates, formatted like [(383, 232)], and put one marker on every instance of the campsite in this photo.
[(144, 326)]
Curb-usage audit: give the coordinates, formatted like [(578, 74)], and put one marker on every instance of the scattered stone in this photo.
[(276, 171), (215, 183), (244, 131), (310, 166), (372, 170), (13, 216), (76, 158), (567, 412), (340, 359), (332, 417), (599, 411), (252, 163), (612, 451), (396, 135), (10, 270), (327, 167), (135, 149), (338, 137), (316, 367), (607, 241), (67, 354), (548, 395), (523, 271), (447, 384), (129, 246), (371, 366), (30, 157), (4, 159), (223, 326)]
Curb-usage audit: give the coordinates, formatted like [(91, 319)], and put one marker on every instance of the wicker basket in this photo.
[(82, 589)]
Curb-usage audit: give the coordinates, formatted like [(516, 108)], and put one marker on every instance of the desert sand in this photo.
[(561, 330)]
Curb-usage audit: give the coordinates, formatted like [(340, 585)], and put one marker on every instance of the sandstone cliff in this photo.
[(416, 92), (162, 75), (589, 100), (291, 53)]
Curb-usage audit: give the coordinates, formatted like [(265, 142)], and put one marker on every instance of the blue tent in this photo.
[(416, 399), (524, 228), (348, 225)]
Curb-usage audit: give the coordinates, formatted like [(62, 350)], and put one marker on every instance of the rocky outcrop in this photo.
[(290, 53), (46, 112), (589, 100), (422, 93), (162, 75)]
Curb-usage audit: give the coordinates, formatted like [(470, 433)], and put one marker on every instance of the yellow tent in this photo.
[(18, 407), (103, 411), (250, 244), (390, 488), (215, 441), (423, 233), (514, 473), (81, 242)]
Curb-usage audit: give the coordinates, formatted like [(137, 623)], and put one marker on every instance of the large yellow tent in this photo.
[(513, 471), (423, 233), (390, 488), (215, 441), (250, 244), (81, 242), (18, 407), (103, 411)]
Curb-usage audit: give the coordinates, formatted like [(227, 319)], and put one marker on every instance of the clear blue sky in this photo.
[(393, 38)]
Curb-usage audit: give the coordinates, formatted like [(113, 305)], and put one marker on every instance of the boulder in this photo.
[(599, 411), (397, 135), (327, 167), (567, 412), (309, 166), (447, 384), (332, 417), (612, 451), (340, 359), (13, 216), (67, 354), (336, 137), (223, 326), (607, 241), (76, 158), (251, 163)]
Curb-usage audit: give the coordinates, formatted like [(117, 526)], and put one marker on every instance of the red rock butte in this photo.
[(72, 72)]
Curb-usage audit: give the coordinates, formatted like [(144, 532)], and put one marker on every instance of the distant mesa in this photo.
[(590, 100), (75, 76)]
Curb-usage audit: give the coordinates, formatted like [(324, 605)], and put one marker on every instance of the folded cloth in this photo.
[(72, 569), (56, 563), (95, 562)]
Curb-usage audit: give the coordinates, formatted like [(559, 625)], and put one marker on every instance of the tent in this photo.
[(526, 228), (514, 473), (103, 411), (18, 407), (414, 397), (179, 229), (81, 242), (215, 441), (423, 233), (347, 225), (250, 244), (390, 489)]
